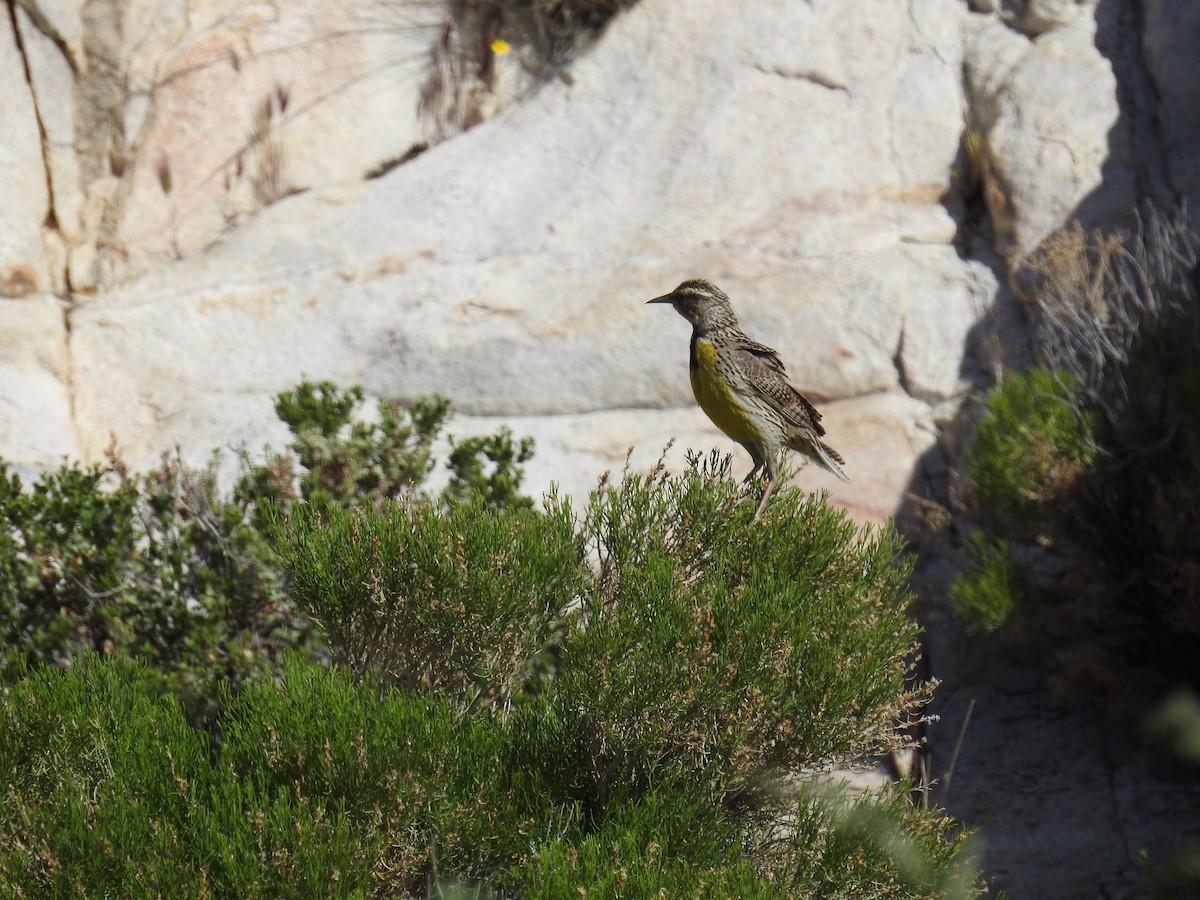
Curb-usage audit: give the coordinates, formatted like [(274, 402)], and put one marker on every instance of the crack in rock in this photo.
[(812, 76)]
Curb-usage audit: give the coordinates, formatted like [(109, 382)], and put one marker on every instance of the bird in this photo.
[(743, 387)]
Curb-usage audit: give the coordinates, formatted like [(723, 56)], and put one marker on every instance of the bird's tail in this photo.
[(825, 457)]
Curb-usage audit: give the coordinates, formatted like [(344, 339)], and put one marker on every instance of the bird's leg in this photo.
[(772, 477), (758, 464)]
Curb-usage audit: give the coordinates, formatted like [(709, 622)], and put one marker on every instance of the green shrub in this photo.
[(65, 546), (875, 845), (154, 566), (833, 845), (165, 568), (995, 589), (102, 771), (664, 845), (662, 643), (532, 703), (1175, 726), (487, 469), (462, 601), (418, 784), (1031, 448), (322, 786), (342, 459), (720, 653), (339, 458), (698, 649)]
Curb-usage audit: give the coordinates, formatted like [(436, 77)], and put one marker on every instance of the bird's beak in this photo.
[(665, 298)]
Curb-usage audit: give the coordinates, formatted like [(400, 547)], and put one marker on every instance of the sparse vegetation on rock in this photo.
[(1088, 462)]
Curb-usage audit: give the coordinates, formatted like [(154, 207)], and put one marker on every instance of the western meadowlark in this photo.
[(743, 387)]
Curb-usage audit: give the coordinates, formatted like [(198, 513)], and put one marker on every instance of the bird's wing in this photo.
[(762, 352), (766, 375)]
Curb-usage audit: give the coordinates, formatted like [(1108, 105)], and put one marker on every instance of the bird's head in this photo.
[(702, 303)]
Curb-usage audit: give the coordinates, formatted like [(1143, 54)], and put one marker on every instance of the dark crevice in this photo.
[(898, 362), (43, 136), (1119, 38), (46, 27), (51, 220)]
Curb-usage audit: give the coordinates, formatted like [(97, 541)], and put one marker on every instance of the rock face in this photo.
[(188, 180), (1049, 118), (204, 201), (1168, 42), (35, 408), (791, 153)]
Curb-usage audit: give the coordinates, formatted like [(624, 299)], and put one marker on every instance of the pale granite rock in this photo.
[(507, 268), (35, 406), (1050, 121)]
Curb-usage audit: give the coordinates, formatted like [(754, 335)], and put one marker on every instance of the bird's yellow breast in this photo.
[(717, 396)]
